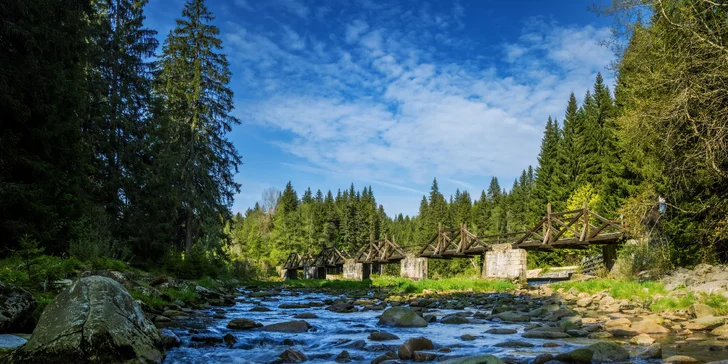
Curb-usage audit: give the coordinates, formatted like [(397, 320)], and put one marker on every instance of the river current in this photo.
[(334, 332)]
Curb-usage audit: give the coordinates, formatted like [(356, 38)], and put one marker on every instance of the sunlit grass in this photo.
[(616, 288)]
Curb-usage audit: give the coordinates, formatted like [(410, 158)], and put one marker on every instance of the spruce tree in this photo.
[(548, 189), (194, 82)]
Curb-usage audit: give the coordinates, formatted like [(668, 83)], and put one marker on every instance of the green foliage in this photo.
[(404, 285), (151, 301), (184, 295), (616, 288), (670, 304)]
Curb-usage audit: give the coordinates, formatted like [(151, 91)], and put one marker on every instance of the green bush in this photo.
[(184, 295)]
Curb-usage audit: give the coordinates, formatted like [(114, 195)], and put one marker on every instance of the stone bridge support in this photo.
[(502, 261), (312, 272), (413, 267), (289, 274), (356, 271)]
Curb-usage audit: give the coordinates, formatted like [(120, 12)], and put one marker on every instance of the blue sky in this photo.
[(393, 93)]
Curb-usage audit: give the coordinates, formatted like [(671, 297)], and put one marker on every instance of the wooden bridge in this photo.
[(574, 229)]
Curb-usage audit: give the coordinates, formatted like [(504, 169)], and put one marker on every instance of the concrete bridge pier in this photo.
[(413, 267), (502, 261), (356, 271), (313, 272), (609, 255)]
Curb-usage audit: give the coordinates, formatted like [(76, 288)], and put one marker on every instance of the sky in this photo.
[(391, 94)]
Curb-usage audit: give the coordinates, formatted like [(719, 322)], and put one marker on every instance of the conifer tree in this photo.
[(547, 181), (194, 82)]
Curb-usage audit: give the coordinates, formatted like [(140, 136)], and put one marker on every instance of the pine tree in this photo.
[(548, 189), (571, 147), (193, 83)]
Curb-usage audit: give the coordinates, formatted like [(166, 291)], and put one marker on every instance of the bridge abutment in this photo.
[(356, 271), (502, 261), (413, 267), (609, 255)]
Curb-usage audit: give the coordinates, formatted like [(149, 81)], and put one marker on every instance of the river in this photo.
[(334, 332)]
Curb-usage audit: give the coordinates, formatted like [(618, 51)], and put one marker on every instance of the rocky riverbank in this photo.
[(594, 321)]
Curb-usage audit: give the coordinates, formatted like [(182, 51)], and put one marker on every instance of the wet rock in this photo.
[(401, 317), (570, 322), (601, 352), (430, 318), (514, 344), (559, 314), (623, 331), (543, 358), (501, 331), (454, 320), (242, 324), (420, 357), (407, 350), (262, 294), (292, 356), (306, 315), (620, 322), (577, 333), (94, 317), (642, 339), (16, 309), (289, 326), (600, 335), (699, 310), (710, 322), (207, 339), (721, 331), (358, 344), (653, 352), (293, 306), (260, 309), (229, 339), (513, 317), (169, 339), (391, 355), (382, 336), (584, 302), (467, 337), (173, 313), (680, 359), (480, 359), (8, 344), (342, 307), (162, 319), (551, 344), (343, 357), (649, 326), (545, 333)]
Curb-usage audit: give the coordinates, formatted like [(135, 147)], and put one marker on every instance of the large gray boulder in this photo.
[(16, 309), (401, 317), (93, 321)]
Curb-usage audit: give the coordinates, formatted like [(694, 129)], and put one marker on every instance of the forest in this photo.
[(113, 146)]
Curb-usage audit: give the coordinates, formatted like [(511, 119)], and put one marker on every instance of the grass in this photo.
[(184, 295), (397, 285), (617, 289)]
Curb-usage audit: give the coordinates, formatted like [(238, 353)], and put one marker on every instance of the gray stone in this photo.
[(16, 308), (501, 331), (169, 339), (242, 324), (480, 359), (289, 326), (401, 317), (292, 356), (407, 350), (382, 336), (601, 352), (94, 317), (514, 344)]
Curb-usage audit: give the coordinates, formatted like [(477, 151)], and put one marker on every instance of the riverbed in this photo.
[(333, 332)]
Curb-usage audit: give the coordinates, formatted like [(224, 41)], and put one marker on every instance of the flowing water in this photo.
[(334, 332)]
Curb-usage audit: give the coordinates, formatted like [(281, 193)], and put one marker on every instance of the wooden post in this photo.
[(547, 225), (439, 238), (585, 230)]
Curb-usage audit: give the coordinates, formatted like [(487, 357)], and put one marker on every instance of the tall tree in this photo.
[(194, 82)]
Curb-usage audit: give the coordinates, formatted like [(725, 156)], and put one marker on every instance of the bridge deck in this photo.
[(574, 229)]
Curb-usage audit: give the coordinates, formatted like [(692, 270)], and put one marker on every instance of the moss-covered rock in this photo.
[(93, 321), (401, 317), (601, 352)]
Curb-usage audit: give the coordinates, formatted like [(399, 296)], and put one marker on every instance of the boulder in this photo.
[(292, 356), (680, 359), (343, 357), (545, 333), (514, 344), (501, 331), (169, 339), (699, 310), (721, 331), (467, 337), (94, 319), (601, 352), (16, 309), (480, 359), (570, 322), (288, 326), (306, 315), (649, 327), (242, 324), (382, 336), (401, 317), (653, 352), (342, 307), (260, 309), (407, 350), (642, 339), (420, 357), (454, 320), (710, 322)]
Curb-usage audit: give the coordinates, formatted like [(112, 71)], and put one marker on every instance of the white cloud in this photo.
[(355, 29), (294, 7), (243, 4), (386, 105)]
